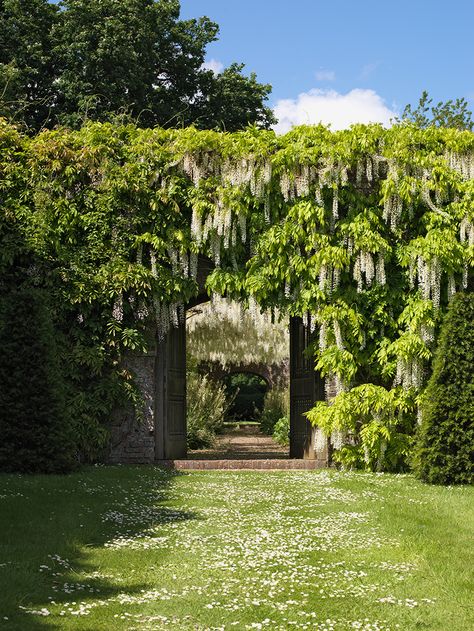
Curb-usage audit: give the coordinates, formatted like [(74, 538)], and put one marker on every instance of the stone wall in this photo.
[(132, 440)]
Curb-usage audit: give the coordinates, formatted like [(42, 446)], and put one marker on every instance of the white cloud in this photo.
[(330, 107), (325, 75), (213, 64)]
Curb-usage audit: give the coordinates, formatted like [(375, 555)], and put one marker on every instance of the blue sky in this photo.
[(387, 52)]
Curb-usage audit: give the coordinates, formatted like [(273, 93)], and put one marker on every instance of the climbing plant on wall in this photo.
[(223, 331), (365, 233)]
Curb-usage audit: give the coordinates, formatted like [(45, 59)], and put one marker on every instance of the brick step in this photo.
[(199, 465)]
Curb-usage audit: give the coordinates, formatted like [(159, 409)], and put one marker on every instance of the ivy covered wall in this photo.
[(366, 233)]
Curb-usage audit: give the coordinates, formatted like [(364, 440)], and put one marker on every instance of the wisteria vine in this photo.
[(365, 233)]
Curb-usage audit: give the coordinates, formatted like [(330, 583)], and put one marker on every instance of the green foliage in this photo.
[(132, 56), (233, 101), (275, 406), (207, 404), (102, 60), (35, 430), (365, 233), (370, 427), (444, 451), (27, 65), (444, 114), (247, 393), (281, 431)]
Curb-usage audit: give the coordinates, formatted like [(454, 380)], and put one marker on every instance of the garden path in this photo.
[(246, 443)]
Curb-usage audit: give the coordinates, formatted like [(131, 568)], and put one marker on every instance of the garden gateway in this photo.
[(161, 374), (359, 238)]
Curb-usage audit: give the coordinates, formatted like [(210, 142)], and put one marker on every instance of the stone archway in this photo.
[(273, 374), (161, 376)]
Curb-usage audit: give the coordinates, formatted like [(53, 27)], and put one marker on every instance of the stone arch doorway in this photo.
[(273, 374), (161, 376), (306, 387)]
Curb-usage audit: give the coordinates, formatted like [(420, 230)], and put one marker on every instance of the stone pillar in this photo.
[(132, 439)]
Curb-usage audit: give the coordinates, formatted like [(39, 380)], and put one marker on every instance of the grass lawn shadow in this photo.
[(56, 534)]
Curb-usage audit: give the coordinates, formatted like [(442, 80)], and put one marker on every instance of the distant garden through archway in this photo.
[(247, 394), (237, 381)]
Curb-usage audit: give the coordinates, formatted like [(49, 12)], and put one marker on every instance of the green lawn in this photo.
[(138, 548)]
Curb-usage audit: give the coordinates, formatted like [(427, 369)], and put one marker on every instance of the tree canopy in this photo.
[(451, 113), (95, 60), (27, 65)]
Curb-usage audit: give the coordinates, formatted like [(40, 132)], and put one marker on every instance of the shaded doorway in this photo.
[(306, 386)]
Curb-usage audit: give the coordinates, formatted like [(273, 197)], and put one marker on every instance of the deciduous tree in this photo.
[(135, 58), (445, 114)]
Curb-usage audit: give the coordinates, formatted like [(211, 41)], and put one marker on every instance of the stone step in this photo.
[(199, 465)]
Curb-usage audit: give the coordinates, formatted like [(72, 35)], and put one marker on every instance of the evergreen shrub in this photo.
[(445, 445), (35, 434)]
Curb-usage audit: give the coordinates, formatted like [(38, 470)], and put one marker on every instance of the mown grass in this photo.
[(140, 548)]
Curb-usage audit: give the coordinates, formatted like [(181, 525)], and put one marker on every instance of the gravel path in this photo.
[(247, 443)]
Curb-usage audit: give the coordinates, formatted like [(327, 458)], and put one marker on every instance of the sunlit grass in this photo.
[(139, 548)]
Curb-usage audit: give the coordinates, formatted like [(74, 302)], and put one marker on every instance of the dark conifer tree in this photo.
[(445, 448), (34, 429)]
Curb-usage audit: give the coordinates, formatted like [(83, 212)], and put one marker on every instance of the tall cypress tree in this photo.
[(445, 448)]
